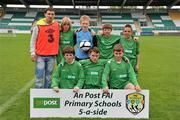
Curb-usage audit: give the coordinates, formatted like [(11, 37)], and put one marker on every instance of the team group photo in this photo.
[(78, 59)]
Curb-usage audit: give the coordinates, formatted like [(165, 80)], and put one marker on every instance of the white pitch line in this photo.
[(11, 100)]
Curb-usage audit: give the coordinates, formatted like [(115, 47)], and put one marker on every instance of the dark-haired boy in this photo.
[(69, 74), (93, 69), (106, 42), (44, 46)]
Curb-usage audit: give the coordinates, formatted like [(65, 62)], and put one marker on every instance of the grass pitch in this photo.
[(159, 73)]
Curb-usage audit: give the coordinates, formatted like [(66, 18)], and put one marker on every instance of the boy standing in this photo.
[(106, 42), (131, 47), (44, 46), (83, 34), (66, 37)]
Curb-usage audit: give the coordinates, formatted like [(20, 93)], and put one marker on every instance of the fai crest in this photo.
[(135, 103)]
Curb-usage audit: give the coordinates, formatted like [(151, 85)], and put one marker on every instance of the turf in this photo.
[(159, 73)]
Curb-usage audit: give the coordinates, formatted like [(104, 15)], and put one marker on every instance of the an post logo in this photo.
[(135, 103), (46, 102)]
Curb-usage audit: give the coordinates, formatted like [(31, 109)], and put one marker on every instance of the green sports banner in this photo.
[(46, 102), (89, 103)]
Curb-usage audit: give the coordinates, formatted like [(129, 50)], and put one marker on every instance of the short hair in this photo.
[(118, 48), (66, 21), (84, 18), (94, 49), (49, 9), (107, 26), (129, 26), (68, 49)]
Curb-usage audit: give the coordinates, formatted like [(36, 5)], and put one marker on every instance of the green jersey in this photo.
[(106, 45), (66, 38), (118, 75), (68, 76), (93, 73), (131, 48)]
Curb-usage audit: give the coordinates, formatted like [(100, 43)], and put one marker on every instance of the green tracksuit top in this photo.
[(131, 49), (106, 45), (118, 75), (93, 73), (66, 38), (68, 76)]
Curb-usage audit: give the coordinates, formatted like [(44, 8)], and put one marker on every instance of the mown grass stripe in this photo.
[(11, 100)]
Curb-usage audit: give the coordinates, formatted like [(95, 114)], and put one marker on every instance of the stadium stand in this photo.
[(141, 20), (176, 18), (31, 14), (118, 21), (161, 20)]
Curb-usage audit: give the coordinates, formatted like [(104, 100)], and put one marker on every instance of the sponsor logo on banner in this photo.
[(46, 103), (135, 103)]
